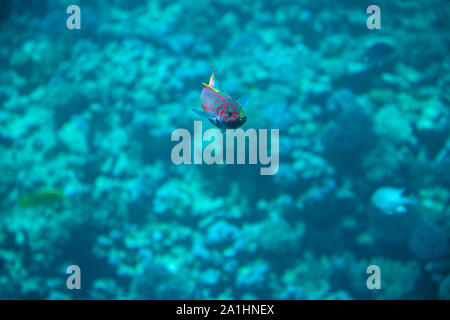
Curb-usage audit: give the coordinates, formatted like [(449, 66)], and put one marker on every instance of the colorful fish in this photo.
[(219, 108), (42, 198)]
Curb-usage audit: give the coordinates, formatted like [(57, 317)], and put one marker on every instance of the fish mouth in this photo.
[(236, 123), (242, 120)]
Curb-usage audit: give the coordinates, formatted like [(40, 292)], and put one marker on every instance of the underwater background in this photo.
[(86, 176)]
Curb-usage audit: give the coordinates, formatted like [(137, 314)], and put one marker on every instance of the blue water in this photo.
[(87, 177)]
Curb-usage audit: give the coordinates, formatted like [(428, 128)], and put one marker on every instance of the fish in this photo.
[(377, 55), (42, 198), (390, 200), (221, 109)]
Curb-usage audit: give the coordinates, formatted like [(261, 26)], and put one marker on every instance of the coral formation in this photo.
[(86, 177)]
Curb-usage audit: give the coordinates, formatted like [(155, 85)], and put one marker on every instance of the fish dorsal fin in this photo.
[(242, 100), (217, 87), (211, 79), (208, 86)]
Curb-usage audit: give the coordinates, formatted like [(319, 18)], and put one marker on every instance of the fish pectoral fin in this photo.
[(202, 113)]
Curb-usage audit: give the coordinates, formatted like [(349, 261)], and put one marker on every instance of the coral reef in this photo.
[(86, 178)]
